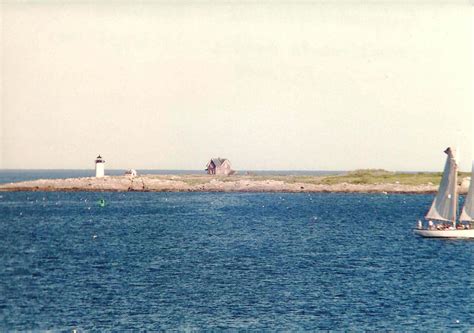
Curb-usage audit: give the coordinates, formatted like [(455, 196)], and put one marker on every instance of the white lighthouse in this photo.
[(99, 166)]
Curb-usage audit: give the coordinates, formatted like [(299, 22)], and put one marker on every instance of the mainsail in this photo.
[(444, 205), (468, 210)]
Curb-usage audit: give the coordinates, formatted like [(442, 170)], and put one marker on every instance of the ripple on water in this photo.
[(213, 261)]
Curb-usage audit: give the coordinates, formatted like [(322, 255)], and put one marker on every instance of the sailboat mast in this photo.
[(455, 193)]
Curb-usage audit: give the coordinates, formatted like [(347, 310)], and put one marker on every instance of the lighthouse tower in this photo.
[(99, 166)]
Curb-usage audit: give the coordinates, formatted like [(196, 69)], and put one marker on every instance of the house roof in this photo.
[(217, 161)]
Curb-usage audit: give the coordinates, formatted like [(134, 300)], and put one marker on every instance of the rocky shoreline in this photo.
[(201, 183)]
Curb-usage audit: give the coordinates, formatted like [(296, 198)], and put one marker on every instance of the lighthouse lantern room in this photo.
[(99, 166)]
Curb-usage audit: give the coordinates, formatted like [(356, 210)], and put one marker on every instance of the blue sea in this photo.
[(215, 261)]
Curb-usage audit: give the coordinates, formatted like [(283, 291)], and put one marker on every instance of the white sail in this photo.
[(444, 205), (468, 209)]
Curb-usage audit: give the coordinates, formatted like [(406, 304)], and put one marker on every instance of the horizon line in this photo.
[(249, 170)]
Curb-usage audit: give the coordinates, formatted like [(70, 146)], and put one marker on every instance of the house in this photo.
[(219, 166), (131, 173)]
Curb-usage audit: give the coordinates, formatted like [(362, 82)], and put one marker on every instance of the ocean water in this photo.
[(266, 261)]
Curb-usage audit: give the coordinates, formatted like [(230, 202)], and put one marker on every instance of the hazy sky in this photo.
[(302, 86)]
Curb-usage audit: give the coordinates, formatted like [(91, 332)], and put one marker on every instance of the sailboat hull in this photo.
[(455, 233)]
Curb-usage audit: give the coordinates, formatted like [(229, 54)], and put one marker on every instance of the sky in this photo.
[(269, 85)]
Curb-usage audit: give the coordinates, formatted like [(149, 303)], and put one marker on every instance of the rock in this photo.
[(201, 183)]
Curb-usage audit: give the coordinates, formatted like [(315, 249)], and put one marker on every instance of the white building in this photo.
[(131, 173), (99, 166)]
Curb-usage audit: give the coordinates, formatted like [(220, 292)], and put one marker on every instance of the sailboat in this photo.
[(445, 206)]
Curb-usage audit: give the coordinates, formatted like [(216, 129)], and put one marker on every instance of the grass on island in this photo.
[(378, 176), (363, 176)]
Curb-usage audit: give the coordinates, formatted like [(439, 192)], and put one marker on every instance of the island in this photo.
[(359, 181)]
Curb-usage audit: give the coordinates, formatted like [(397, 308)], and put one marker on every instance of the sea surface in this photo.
[(213, 261)]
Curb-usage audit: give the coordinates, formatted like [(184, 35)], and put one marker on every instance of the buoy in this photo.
[(101, 202)]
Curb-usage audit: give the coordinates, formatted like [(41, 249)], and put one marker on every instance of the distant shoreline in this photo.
[(349, 183), (358, 181), (21, 175)]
